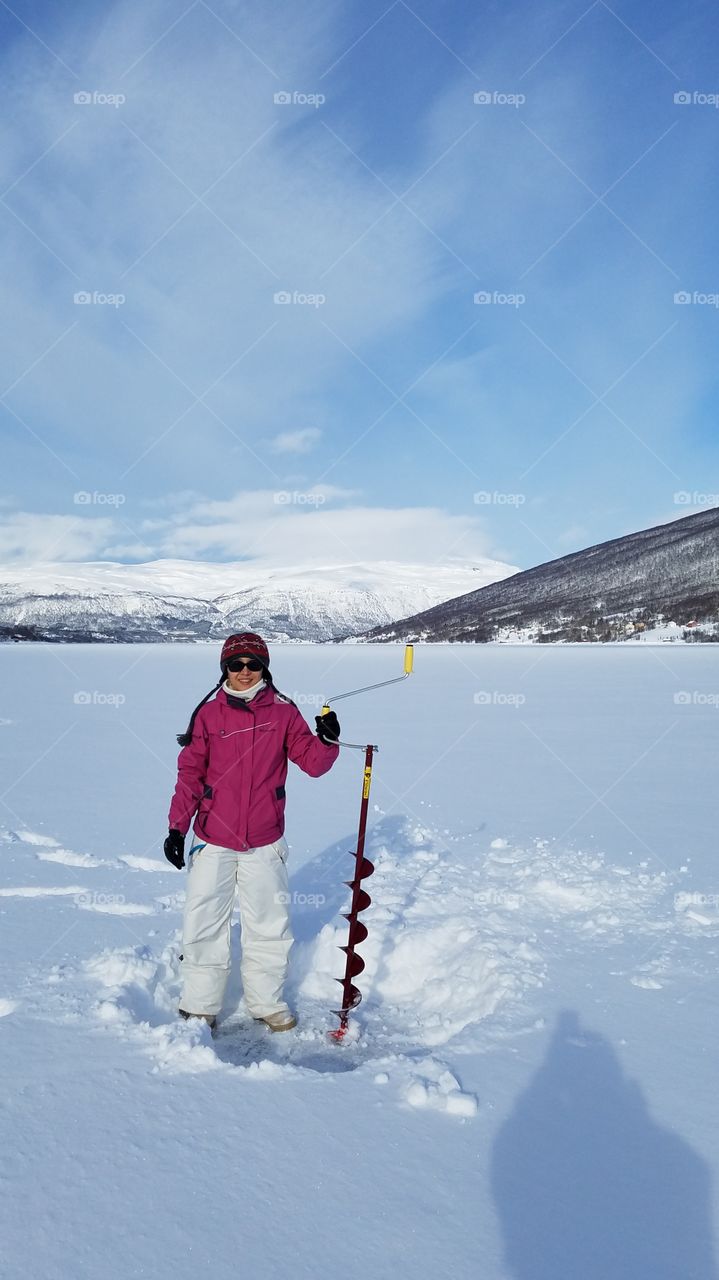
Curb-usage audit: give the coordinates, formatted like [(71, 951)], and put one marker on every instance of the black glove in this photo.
[(174, 847), (328, 728)]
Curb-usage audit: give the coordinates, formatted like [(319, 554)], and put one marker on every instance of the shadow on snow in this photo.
[(587, 1184)]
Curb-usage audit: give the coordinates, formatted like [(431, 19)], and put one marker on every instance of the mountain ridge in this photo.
[(105, 601), (664, 576)]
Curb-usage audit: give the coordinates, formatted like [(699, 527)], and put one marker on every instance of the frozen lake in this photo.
[(532, 1092), (576, 743)]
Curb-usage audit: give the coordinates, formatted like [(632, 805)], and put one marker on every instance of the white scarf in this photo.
[(245, 694)]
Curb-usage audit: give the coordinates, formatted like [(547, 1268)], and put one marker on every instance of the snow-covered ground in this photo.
[(530, 1090)]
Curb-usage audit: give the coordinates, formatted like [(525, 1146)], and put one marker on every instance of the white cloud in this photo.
[(133, 551), (283, 527), (268, 527), (296, 441), (27, 537)]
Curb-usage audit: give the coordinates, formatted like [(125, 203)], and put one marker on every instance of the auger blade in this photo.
[(361, 901), (354, 997), (358, 930), (355, 963), (362, 871)]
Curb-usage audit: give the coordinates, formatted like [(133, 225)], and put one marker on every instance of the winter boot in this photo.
[(283, 1021), (210, 1018)]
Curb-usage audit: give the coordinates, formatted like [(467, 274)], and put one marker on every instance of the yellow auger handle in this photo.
[(408, 664)]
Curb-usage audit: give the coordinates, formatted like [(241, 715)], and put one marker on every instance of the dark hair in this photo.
[(184, 739)]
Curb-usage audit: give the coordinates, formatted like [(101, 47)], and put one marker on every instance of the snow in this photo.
[(670, 633), (527, 1091), (177, 599), (203, 580), (663, 632)]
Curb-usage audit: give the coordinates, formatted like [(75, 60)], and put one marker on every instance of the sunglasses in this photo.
[(236, 664)]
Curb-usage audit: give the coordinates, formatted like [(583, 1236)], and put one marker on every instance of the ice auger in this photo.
[(363, 868)]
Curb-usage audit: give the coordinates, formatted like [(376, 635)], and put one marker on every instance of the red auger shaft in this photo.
[(354, 964)]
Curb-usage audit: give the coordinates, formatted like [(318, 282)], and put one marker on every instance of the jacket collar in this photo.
[(242, 704)]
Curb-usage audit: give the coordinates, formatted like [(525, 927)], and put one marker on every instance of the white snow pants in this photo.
[(261, 876)]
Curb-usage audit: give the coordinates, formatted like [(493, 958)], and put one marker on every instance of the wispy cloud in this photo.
[(27, 536), (311, 526), (301, 441), (268, 527)]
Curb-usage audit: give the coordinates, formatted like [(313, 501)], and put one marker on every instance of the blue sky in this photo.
[(382, 412)]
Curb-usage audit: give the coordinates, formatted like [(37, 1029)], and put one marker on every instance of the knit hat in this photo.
[(242, 642)]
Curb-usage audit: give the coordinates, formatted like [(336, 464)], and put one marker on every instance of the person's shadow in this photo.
[(588, 1186)]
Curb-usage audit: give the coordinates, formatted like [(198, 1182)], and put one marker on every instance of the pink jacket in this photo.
[(233, 772)]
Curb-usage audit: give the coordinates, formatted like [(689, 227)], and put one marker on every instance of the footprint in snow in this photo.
[(42, 891), (70, 859), (137, 863), (33, 837), (52, 851), (113, 904), (108, 903)]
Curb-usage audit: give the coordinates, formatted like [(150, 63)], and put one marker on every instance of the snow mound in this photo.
[(114, 904), (30, 837), (439, 1090), (69, 858), (460, 939), (454, 936), (43, 891), (138, 1000), (138, 863)]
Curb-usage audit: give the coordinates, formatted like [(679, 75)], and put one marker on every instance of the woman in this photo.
[(231, 774)]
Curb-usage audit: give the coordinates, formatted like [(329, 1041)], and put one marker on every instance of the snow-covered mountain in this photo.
[(194, 600), (661, 582)]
